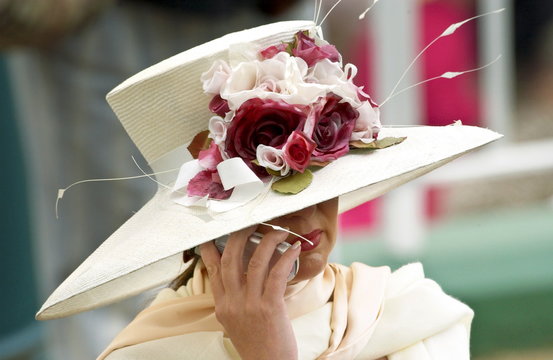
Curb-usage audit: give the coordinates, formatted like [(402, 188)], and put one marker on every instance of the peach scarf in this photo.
[(357, 293)]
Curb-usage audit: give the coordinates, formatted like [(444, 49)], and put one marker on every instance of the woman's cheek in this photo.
[(311, 264)]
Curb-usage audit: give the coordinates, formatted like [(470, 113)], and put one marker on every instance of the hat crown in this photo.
[(162, 107)]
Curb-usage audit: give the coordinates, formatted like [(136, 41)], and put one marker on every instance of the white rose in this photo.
[(289, 73), (275, 69), (217, 129), (214, 78), (326, 72), (278, 78), (241, 84), (338, 81), (243, 77), (272, 158)]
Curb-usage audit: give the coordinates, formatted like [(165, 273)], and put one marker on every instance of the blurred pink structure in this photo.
[(444, 101)]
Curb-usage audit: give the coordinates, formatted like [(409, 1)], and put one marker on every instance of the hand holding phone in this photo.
[(253, 306), (253, 241)]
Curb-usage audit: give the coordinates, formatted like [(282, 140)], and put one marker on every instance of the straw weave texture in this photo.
[(163, 107), (146, 250)]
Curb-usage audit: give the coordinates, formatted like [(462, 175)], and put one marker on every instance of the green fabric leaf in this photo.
[(319, 163), (294, 183), (377, 144), (273, 172), (270, 171)]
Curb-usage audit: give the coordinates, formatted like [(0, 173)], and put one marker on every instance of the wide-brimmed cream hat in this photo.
[(162, 108)]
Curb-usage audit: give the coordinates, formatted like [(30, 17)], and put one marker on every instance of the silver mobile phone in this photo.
[(253, 241)]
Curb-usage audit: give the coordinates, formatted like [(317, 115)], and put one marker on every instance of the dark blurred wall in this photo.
[(19, 332), (532, 20)]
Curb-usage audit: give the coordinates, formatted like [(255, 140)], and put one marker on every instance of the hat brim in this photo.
[(145, 252)]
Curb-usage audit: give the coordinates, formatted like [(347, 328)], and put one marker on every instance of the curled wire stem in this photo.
[(448, 31), (446, 75), (61, 192), (329, 11), (280, 228), (362, 16)]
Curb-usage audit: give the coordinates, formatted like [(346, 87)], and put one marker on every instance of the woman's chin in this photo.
[(311, 265)]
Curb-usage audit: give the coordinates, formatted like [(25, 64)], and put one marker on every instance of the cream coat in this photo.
[(417, 321)]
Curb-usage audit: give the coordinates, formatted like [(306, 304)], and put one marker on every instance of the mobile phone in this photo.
[(253, 241)]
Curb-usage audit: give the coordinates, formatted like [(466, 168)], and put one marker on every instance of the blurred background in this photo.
[(482, 225)]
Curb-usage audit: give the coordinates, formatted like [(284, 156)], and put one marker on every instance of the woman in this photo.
[(292, 143), (310, 317)]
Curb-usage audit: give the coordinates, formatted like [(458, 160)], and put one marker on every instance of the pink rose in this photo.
[(271, 51), (367, 125), (298, 149), (363, 96), (271, 158), (259, 121), (219, 106), (332, 129), (207, 182), (211, 157), (310, 52)]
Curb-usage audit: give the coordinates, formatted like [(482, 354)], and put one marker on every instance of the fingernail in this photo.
[(296, 245)]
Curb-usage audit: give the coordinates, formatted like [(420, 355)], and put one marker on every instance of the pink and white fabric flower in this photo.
[(288, 107), (368, 124), (307, 49), (218, 129), (215, 77), (272, 158), (298, 150), (334, 124)]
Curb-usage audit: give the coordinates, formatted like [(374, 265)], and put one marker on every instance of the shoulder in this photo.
[(408, 287), (170, 294), (406, 277), (199, 345), (416, 309)]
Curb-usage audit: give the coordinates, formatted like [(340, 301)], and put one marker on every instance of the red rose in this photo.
[(310, 52), (271, 51), (219, 106), (298, 149), (333, 128), (259, 121)]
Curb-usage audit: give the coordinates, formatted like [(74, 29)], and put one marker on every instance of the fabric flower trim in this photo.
[(291, 107)]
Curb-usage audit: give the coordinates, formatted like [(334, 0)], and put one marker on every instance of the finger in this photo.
[(212, 261), (258, 266), (232, 269), (275, 285)]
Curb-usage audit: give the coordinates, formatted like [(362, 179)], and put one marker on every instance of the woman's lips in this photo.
[(314, 236)]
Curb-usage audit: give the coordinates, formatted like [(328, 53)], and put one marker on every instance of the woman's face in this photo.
[(318, 223)]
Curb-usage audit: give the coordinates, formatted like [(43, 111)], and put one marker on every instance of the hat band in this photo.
[(171, 160), (234, 173)]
